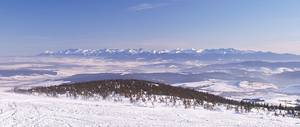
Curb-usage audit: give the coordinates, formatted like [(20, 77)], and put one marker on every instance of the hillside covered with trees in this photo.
[(145, 91)]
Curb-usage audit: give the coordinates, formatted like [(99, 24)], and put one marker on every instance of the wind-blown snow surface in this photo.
[(23, 110)]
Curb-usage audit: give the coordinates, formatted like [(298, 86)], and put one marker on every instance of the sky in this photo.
[(29, 27)]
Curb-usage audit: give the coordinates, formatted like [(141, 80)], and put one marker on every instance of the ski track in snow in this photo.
[(34, 111)]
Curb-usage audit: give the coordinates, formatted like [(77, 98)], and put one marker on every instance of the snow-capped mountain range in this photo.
[(195, 54), (95, 52)]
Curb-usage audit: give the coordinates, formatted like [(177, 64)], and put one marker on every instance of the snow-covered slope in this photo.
[(23, 110), (267, 92)]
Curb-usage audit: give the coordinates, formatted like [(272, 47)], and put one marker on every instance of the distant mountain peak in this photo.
[(227, 51), (187, 54), (128, 51)]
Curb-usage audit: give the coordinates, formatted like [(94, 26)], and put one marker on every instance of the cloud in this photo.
[(146, 6)]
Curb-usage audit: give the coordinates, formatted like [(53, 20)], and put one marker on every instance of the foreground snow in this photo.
[(24, 110)]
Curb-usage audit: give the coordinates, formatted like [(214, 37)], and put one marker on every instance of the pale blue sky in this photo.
[(29, 27)]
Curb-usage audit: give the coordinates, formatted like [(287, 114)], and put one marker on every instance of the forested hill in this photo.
[(146, 91)]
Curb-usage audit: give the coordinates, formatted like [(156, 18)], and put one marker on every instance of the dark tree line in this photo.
[(145, 91)]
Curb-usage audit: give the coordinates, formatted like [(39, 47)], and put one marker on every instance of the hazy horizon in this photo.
[(55, 50)]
